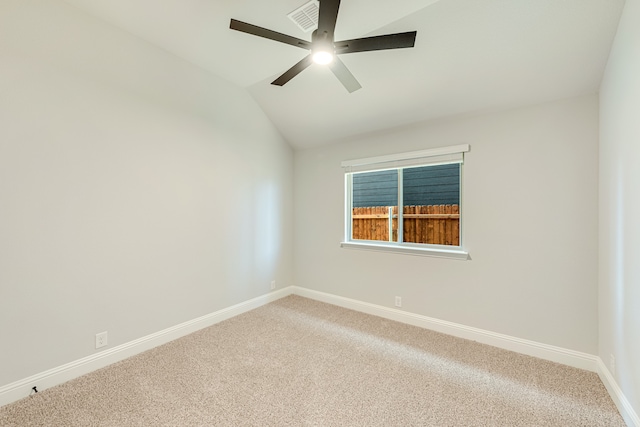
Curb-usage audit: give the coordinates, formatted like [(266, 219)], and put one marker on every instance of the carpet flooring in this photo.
[(299, 362)]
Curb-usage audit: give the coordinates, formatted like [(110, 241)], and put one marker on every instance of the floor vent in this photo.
[(306, 16)]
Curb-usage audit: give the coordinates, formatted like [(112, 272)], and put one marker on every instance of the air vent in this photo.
[(306, 16)]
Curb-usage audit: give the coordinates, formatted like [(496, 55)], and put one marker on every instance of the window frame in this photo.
[(400, 161)]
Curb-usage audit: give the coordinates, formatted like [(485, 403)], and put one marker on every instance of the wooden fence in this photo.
[(434, 224)]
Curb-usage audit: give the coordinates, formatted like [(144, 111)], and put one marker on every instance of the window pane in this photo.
[(374, 197), (431, 196)]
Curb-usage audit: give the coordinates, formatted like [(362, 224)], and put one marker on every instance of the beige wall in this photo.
[(620, 208), (530, 226), (136, 191)]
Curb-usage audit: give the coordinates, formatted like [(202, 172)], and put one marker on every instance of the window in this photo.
[(409, 202)]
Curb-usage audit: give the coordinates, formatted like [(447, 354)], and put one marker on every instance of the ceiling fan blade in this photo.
[(268, 34), (389, 41), (293, 71), (344, 75), (327, 17)]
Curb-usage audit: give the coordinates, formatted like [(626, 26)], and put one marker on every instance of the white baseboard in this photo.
[(543, 351), (624, 406), (22, 388)]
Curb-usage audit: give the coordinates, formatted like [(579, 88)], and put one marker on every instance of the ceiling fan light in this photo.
[(322, 57)]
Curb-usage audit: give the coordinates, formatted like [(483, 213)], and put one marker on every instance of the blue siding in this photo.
[(432, 185), (375, 189), (425, 185)]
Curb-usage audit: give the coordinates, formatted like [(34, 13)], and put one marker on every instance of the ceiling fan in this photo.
[(324, 49)]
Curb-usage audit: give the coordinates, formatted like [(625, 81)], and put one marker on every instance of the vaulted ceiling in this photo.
[(470, 56)]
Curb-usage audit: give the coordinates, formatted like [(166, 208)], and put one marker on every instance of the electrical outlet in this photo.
[(101, 339), (398, 301), (612, 364), (273, 284)]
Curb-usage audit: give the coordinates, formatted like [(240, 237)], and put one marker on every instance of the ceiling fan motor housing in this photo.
[(323, 49)]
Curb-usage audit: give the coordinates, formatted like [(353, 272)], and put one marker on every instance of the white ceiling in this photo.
[(470, 55)]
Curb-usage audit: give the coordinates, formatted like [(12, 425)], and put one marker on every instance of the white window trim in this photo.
[(394, 161), (406, 249)]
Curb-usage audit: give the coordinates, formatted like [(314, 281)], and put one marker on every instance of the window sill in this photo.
[(432, 252)]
